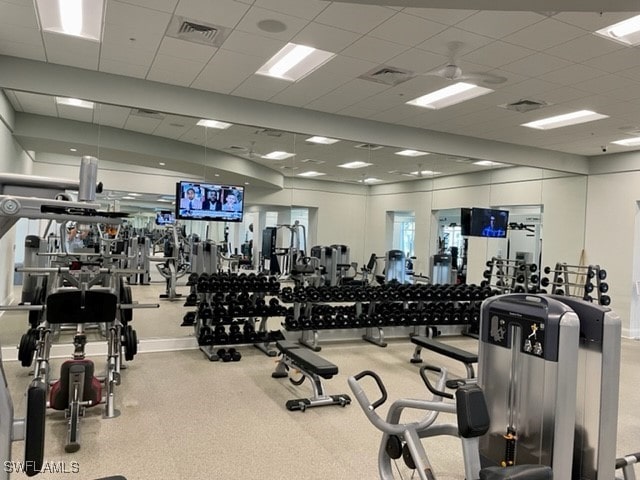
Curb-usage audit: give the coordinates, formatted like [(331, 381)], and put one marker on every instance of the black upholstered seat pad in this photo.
[(444, 349), (307, 360)]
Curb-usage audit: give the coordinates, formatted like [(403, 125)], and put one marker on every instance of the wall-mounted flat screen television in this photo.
[(209, 202), (165, 217), (484, 222)]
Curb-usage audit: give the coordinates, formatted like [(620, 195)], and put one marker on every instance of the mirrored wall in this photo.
[(372, 198)]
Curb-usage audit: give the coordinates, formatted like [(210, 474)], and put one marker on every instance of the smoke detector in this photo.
[(196, 31)]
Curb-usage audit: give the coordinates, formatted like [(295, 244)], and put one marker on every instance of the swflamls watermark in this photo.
[(47, 467)]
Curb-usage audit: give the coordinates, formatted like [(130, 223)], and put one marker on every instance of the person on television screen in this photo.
[(492, 230), (190, 202), (232, 202), (212, 201)]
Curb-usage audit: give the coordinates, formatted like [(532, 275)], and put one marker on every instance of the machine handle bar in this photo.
[(369, 373), (10, 308), (627, 460), (131, 306), (117, 271), (430, 387)]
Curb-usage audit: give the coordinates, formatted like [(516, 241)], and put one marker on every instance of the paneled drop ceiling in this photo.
[(548, 57)]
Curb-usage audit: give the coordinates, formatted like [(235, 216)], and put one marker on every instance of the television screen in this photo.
[(210, 202), (486, 222), (165, 217)]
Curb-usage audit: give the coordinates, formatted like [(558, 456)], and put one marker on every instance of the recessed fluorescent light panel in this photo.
[(628, 142), (213, 124), (128, 198), (277, 155), (411, 153), (626, 32), (371, 180), (426, 172), (79, 18), (487, 163), (322, 140), (573, 118), (356, 164), (74, 102), (456, 93), (311, 173), (293, 62)]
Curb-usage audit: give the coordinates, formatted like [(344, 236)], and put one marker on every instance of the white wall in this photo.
[(13, 159), (610, 232)]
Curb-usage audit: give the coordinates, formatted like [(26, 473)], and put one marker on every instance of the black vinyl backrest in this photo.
[(471, 409), (69, 306), (372, 262)]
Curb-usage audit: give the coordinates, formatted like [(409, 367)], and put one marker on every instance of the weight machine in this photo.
[(171, 265)]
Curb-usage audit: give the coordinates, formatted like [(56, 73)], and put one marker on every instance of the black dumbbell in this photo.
[(605, 300), (234, 354), (223, 355)]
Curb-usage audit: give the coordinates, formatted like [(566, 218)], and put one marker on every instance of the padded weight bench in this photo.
[(311, 366), (467, 358)]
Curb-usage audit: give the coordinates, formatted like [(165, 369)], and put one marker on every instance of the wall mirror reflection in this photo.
[(299, 193)]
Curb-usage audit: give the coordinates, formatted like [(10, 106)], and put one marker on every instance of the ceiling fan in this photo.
[(452, 71), (245, 151)]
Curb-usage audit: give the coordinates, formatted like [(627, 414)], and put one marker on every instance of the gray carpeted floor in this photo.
[(185, 417)]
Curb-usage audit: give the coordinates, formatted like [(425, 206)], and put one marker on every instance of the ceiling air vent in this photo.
[(141, 112), (525, 105), (313, 161), (368, 146), (198, 32), (269, 132), (388, 75)]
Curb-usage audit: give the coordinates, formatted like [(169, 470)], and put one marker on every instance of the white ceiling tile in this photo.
[(373, 49), (351, 92), (498, 24), (532, 86), (536, 65), (13, 100), (454, 42), (606, 83), (130, 37), (75, 113), (395, 114), (67, 50), (343, 68), (142, 124), (307, 9), (226, 13), (37, 104), (226, 71), (572, 74), (123, 68), (592, 21), (633, 73), (124, 14), (325, 37), (174, 70), (615, 61), (626, 108), (126, 54), (162, 5), (22, 15), (110, 115), (172, 130), (562, 95), (260, 87), (544, 34), (440, 15), (497, 54), (253, 45), (407, 29), (583, 48), (326, 103), (249, 23), (19, 34), (24, 50), (186, 50), (356, 18), (417, 60)]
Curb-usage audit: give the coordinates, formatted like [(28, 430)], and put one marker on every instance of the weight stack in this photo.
[(527, 367)]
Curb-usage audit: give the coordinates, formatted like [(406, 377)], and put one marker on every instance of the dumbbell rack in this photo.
[(511, 276), (215, 320), (373, 308), (577, 281)]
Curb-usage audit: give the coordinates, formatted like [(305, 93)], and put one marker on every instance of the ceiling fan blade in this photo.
[(453, 49), (484, 77)]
